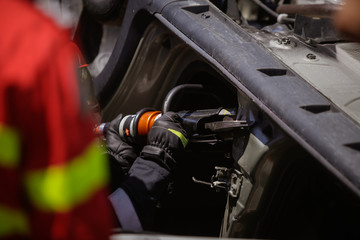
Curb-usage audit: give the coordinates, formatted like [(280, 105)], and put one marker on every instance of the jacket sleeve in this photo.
[(144, 187)]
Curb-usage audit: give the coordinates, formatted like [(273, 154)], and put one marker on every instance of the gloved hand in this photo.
[(122, 152), (166, 140), (150, 175)]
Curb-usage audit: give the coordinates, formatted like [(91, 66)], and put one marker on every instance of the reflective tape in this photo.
[(224, 112), (125, 211), (60, 188), (9, 147), (12, 222), (180, 135)]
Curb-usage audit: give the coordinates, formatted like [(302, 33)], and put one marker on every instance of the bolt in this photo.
[(285, 41), (311, 56)]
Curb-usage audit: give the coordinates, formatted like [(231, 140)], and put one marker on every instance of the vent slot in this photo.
[(272, 72), (197, 9), (354, 146), (316, 109)]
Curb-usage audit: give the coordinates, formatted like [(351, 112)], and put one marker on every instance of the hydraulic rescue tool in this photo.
[(207, 125)]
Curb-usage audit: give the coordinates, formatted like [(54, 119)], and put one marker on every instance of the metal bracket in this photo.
[(228, 125), (236, 180), (225, 179)]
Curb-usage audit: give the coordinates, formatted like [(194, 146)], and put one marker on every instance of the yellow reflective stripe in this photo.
[(181, 136), (224, 112), (9, 147), (60, 188), (12, 222)]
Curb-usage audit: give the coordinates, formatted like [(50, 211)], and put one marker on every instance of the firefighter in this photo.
[(53, 174)]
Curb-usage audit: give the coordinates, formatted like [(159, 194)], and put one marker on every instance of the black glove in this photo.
[(119, 150), (150, 175), (166, 141)]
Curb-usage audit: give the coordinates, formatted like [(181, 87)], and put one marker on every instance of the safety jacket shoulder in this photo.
[(52, 172)]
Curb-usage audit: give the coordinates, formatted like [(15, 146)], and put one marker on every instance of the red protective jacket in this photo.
[(52, 172)]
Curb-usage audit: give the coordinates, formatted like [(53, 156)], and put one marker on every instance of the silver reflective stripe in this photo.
[(125, 211)]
